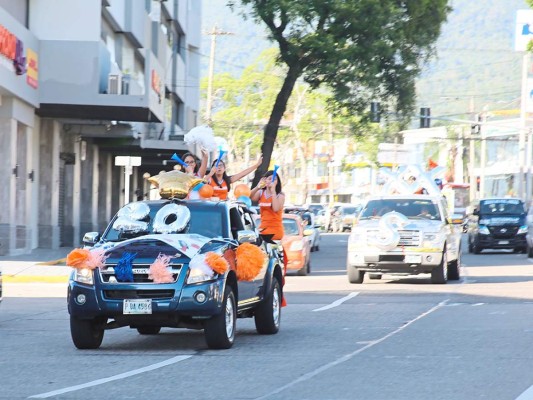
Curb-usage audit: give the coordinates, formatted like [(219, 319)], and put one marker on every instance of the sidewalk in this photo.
[(41, 265)]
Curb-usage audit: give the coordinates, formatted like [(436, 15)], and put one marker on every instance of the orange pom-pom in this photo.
[(77, 258), (206, 191), (242, 190), (216, 262), (250, 260)]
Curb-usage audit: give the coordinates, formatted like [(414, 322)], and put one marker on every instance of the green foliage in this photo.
[(361, 50)]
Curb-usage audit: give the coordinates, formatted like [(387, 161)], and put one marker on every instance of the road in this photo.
[(401, 339)]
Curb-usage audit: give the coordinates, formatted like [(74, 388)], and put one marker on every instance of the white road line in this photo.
[(337, 302), (97, 382), (349, 356)]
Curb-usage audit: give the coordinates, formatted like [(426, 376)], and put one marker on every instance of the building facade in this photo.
[(82, 82)]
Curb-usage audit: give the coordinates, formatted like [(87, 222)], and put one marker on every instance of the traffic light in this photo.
[(375, 111), (425, 117)]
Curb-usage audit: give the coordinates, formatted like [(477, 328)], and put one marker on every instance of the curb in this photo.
[(34, 279)]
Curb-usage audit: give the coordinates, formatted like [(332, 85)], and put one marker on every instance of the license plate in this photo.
[(413, 259), (137, 306), (503, 242)]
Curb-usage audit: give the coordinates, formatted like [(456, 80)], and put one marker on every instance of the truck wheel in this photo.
[(85, 333), (220, 329), (439, 274), (354, 275), (305, 269), (268, 313), (148, 330)]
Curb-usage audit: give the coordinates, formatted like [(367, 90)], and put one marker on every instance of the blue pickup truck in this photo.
[(182, 230)]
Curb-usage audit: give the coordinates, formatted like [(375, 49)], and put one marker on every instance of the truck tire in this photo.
[(268, 313), (355, 275), (439, 274), (220, 329), (86, 333)]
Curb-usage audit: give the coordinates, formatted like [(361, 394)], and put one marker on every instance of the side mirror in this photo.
[(91, 238), (246, 236), (475, 212), (308, 232)]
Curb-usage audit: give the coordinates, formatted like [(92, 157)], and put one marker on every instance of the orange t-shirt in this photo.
[(220, 190), (271, 221)]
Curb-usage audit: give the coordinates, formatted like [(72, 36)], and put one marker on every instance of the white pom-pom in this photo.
[(203, 136)]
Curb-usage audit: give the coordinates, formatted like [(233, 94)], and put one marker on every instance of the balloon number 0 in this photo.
[(171, 218)]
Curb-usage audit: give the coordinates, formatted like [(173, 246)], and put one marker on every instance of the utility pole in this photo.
[(209, 102), (330, 164)]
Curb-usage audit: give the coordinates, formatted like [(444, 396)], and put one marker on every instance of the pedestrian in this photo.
[(194, 166), (268, 193), (221, 181)]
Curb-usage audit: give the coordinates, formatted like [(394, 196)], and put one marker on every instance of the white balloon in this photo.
[(388, 236)]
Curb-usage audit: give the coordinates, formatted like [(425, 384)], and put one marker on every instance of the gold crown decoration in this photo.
[(174, 184)]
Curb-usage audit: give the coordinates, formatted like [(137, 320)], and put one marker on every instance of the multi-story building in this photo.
[(81, 82)]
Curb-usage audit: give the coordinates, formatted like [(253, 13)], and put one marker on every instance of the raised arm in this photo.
[(256, 191), (239, 175), (203, 165)]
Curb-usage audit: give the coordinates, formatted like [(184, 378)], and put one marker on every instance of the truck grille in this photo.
[(138, 294), (140, 273), (503, 232), (407, 238)]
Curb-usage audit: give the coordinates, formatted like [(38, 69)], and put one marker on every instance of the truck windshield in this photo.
[(408, 207), (204, 221), (501, 207)]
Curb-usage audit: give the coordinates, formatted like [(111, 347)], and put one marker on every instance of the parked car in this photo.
[(308, 219), (322, 215), (296, 246), (498, 223), (344, 217), (123, 292)]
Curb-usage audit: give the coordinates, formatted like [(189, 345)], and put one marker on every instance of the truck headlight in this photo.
[(522, 230), (84, 275), (197, 275), (483, 230)]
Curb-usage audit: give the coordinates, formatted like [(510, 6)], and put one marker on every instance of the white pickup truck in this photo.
[(404, 235)]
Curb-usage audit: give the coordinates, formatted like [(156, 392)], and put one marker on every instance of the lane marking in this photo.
[(349, 356), (337, 302), (102, 381)]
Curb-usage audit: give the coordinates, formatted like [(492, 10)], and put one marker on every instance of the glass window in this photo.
[(290, 226)]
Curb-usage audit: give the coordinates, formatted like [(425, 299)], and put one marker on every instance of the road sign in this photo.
[(127, 161), (524, 29)]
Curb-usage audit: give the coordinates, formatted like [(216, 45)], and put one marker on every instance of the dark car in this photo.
[(192, 297), (498, 223)]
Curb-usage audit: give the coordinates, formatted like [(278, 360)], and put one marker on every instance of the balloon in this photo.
[(246, 200), (206, 191), (242, 190)]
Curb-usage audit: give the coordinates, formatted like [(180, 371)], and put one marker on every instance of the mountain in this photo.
[(475, 65)]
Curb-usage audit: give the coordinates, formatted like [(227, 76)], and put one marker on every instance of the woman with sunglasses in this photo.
[(194, 167), (221, 182)]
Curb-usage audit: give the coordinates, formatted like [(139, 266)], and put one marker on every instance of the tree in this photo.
[(360, 49)]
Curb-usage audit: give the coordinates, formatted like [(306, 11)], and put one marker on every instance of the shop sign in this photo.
[(32, 76), (13, 48)]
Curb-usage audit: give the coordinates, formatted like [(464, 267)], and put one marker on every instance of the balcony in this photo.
[(79, 81)]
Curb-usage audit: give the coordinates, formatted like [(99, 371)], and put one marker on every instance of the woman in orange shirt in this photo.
[(271, 200), (221, 182)]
